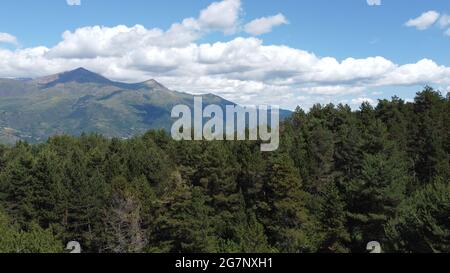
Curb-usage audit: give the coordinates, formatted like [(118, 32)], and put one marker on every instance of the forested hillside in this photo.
[(79, 101), (340, 179)]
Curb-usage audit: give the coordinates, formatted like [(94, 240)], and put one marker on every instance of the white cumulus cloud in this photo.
[(73, 2), (7, 38), (265, 24), (424, 21), (444, 21), (244, 70), (359, 101), (222, 15), (374, 2)]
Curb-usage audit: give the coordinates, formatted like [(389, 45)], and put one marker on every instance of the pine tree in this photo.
[(321, 160), (375, 195), (431, 159), (124, 218), (217, 176), (422, 224), (85, 200), (282, 208), (348, 153), (3, 151), (333, 221), (252, 167), (250, 238), (47, 183), (392, 114), (183, 223), (36, 240), (16, 185)]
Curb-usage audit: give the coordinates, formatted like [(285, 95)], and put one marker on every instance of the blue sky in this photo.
[(309, 42)]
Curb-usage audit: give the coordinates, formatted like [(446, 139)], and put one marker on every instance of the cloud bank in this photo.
[(243, 69)]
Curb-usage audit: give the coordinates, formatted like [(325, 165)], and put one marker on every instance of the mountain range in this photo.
[(80, 101)]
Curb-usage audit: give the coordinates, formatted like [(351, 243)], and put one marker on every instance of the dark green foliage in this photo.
[(340, 179), (430, 153), (35, 240), (423, 221), (378, 188), (184, 223), (282, 207), (332, 215)]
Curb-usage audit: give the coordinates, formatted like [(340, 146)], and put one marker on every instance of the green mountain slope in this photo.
[(80, 101)]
